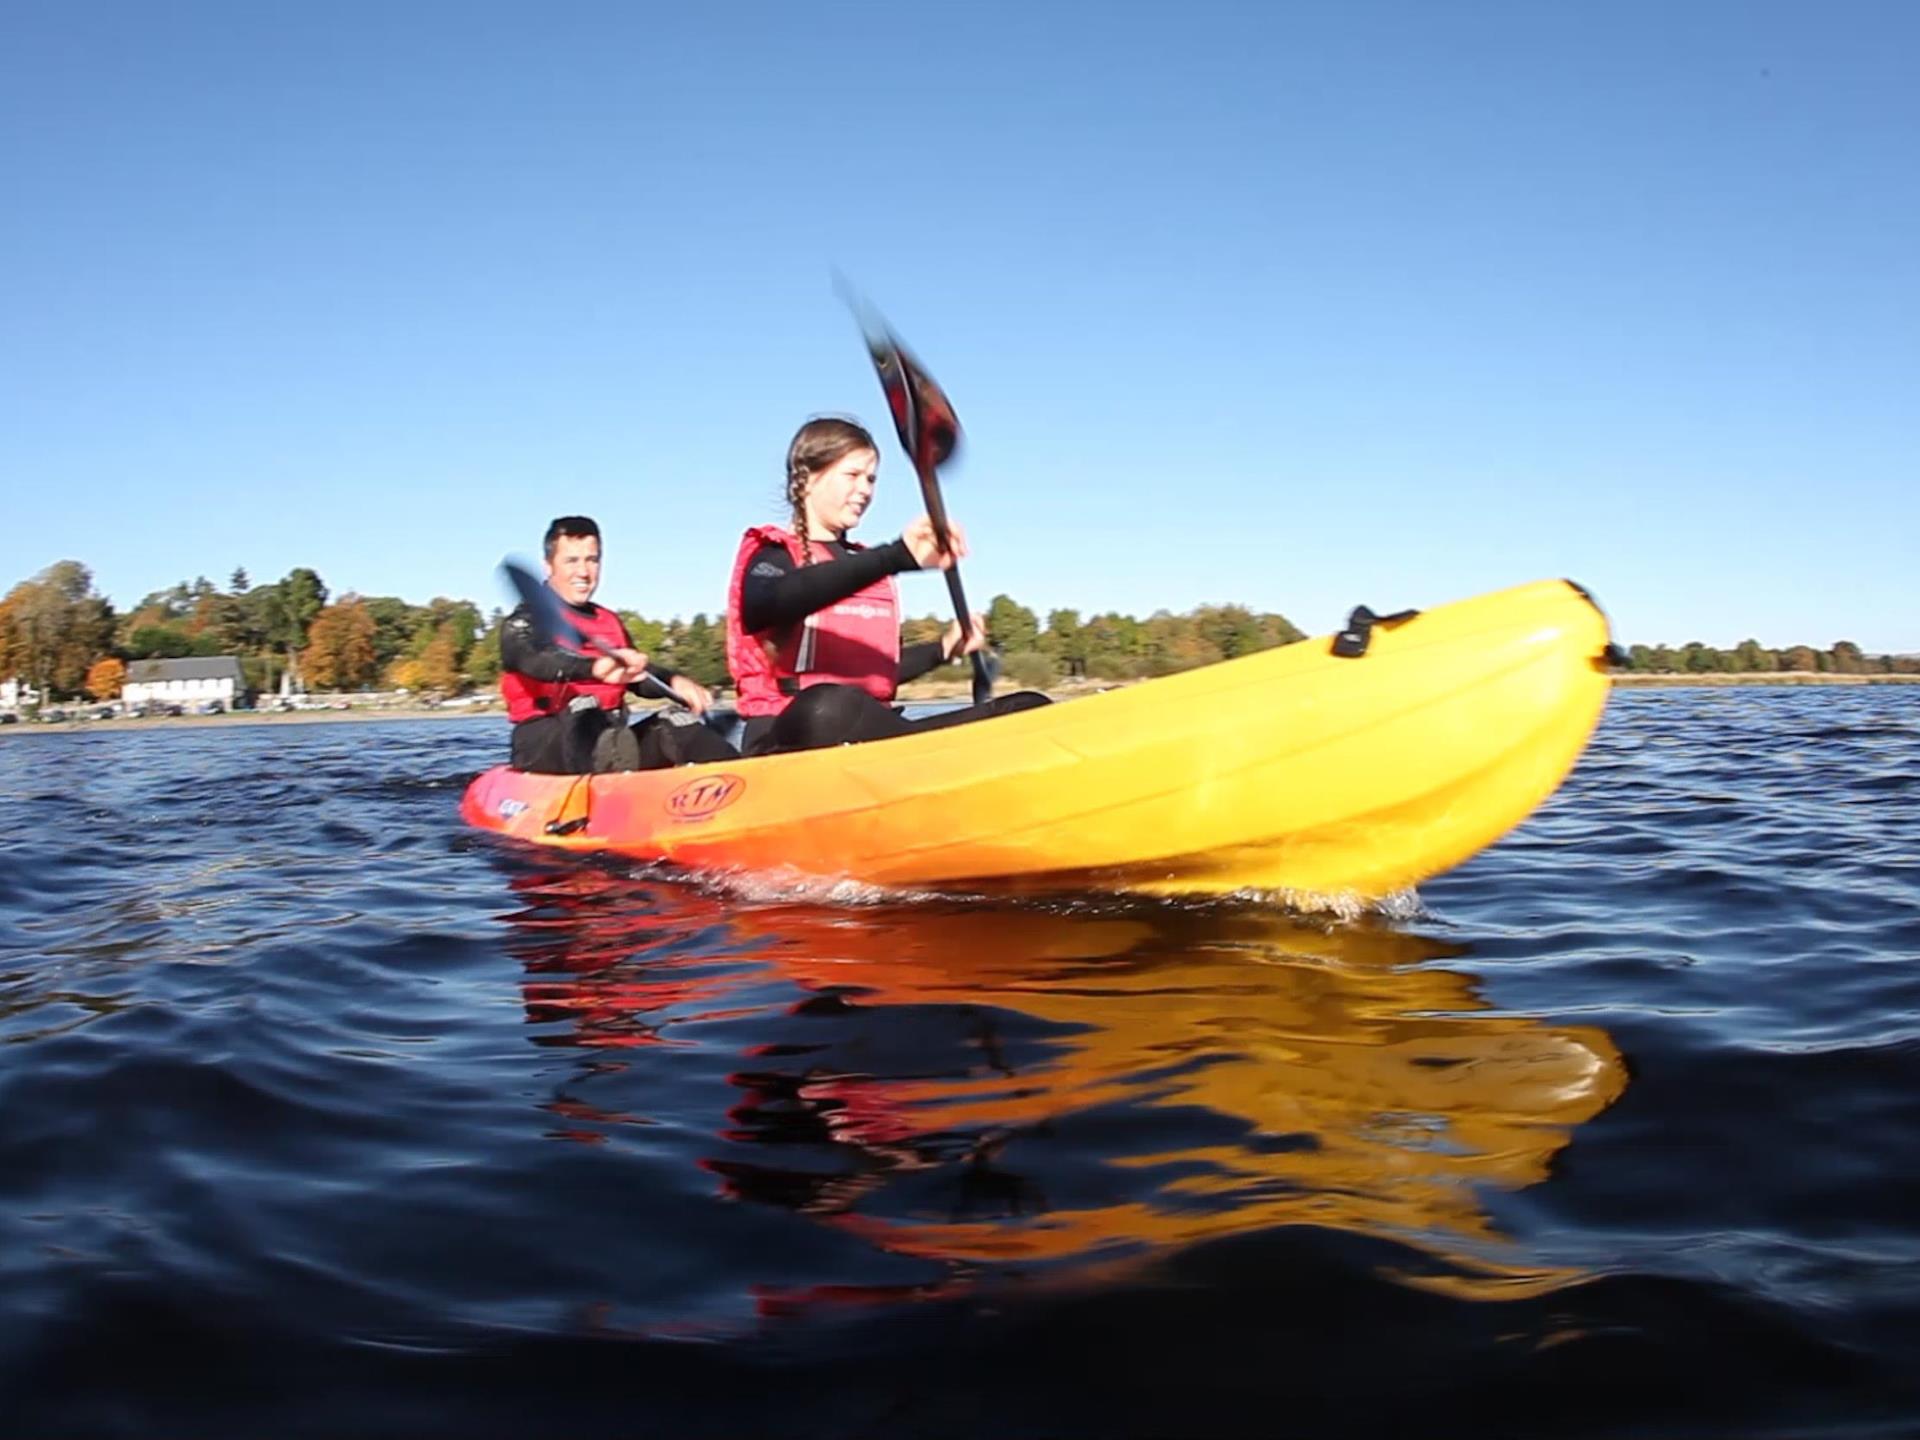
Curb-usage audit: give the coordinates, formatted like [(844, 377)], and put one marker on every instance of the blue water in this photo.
[(320, 1114)]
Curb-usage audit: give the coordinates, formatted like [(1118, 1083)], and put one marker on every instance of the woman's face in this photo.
[(838, 496)]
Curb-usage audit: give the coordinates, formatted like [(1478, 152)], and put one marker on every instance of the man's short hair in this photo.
[(573, 527)]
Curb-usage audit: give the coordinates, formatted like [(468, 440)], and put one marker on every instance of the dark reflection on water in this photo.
[(979, 1085), (319, 1114)]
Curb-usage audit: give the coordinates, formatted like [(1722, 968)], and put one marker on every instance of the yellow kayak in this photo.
[(1298, 771)]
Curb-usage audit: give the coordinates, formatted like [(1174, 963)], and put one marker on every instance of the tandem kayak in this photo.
[(1344, 767)]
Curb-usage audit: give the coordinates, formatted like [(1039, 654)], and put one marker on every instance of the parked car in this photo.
[(7, 717)]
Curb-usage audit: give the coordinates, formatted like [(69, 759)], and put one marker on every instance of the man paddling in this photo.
[(568, 707)]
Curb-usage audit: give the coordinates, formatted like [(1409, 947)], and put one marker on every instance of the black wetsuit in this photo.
[(778, 592), (576, 742)]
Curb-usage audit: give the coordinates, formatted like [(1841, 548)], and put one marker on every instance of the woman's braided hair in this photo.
[(818, 445)]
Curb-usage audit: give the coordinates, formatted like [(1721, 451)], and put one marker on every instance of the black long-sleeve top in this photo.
[(777, 592)]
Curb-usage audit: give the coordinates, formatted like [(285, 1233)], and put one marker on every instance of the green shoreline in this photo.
[(1766, 677), (913, 695)]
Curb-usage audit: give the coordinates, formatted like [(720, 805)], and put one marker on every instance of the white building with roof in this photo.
[(183, 682)]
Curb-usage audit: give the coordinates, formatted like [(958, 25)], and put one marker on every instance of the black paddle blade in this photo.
[(921, 411), (550, 622), (922, 414)]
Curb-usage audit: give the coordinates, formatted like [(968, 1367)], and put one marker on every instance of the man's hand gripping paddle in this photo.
[(929, 432)]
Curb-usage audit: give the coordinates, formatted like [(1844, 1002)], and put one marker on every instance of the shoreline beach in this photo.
[(914, 695)]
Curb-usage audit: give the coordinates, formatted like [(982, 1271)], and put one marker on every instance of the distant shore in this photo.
[(938, 692), (935, 693), (1767, 677), (251, 717)]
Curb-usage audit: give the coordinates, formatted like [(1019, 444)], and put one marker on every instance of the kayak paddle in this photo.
[(929, 432)]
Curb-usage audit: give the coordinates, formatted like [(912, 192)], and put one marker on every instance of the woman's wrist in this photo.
[(900, 557)]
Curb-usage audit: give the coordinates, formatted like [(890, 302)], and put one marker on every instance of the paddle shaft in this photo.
[(937, 512)]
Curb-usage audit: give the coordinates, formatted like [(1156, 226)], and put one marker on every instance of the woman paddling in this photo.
[(813, 618)]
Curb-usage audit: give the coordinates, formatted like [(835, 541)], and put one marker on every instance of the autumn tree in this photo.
[(458, 620), (209, 610), (59, 627), (10, 650), (439, 662), (106, 677), (340, 653)]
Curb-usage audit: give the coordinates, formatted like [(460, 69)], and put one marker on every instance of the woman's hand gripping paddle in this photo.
[(929, 432)]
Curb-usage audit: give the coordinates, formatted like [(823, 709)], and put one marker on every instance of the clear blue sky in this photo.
[(1296, 305)]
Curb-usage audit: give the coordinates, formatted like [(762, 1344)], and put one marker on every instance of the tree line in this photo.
[(1751, 657), (66, 640), (63, 638)]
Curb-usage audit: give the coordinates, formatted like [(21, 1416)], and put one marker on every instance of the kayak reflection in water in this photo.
[(568, 707), (813, 618), (989, 1084)]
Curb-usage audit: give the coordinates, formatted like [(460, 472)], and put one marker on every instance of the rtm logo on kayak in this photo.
[(705, 797)]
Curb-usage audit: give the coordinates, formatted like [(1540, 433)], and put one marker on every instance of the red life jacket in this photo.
[(529, 699), (855, 641)]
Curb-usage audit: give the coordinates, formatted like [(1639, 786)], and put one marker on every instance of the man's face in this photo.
[(573, 570)]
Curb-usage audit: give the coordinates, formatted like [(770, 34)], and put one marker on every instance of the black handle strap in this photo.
[(1351, 643)]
